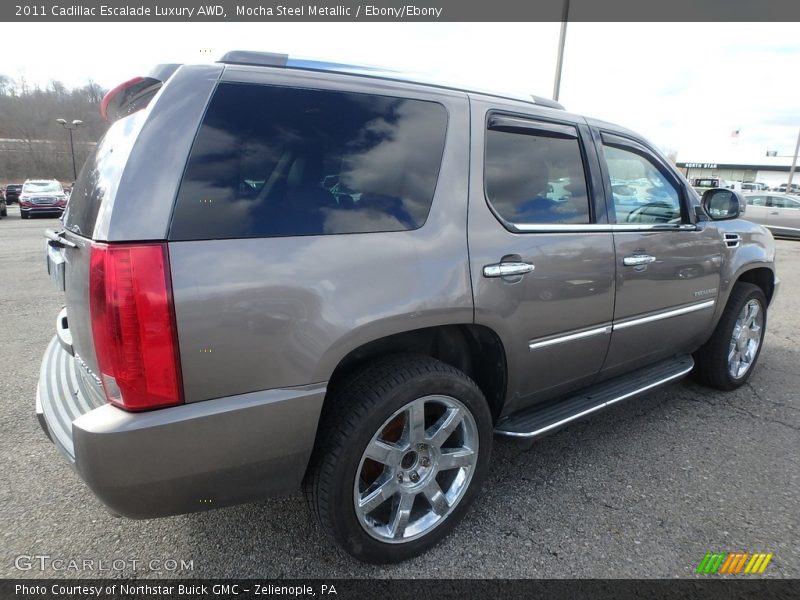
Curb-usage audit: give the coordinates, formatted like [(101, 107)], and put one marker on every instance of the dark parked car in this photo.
[(13, 191), (352, 291)]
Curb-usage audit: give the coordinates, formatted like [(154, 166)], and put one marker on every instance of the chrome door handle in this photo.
[(638, 259), (775, 213), (507, 269)]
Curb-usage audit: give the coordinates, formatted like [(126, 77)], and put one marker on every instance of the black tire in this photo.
[(711, 359), (356, 411), (23, 215)]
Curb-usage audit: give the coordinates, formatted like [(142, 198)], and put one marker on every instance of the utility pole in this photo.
[(794, 164), (71, 127), (560, 60)]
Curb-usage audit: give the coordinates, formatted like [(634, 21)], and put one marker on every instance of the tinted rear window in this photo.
[(100, 175), (277, 161)]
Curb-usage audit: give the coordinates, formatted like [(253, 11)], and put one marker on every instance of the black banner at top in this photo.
[(398, 10)]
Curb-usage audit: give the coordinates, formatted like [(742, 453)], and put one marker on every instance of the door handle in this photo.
[(775, 213), (507, 269), (638, 259)]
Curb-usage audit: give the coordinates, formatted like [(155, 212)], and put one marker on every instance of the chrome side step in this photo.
[(541, 420)]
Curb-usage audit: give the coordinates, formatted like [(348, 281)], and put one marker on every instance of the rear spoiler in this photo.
[(134, 94)]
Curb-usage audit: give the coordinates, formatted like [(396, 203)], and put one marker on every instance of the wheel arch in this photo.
[(475, 350), (762, 276)]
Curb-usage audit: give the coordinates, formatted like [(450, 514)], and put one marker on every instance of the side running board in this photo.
[(540, 420)]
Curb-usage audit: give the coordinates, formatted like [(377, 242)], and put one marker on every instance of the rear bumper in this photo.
[(186, 458)]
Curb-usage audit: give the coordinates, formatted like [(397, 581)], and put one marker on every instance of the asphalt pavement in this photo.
[(645, 489)]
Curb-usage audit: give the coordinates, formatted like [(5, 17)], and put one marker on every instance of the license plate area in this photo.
[(56, 264)]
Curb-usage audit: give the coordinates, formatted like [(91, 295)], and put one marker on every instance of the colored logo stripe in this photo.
[(711, 562), (733, 562), (758, 563)]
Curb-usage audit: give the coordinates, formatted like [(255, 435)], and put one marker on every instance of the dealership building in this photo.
[(771, 170)]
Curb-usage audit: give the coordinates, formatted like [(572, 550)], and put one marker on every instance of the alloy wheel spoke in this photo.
[(752, 313), (384, 453), (733, 362), (444, 427), (415, 422), (436, 498), (401, 514), (455, 459), (378, 496)]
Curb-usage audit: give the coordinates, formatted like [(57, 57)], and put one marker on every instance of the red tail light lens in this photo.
[(133, 325)]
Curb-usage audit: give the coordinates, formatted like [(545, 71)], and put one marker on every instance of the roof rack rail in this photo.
[(547, 102), (272, 59), (258, 59)]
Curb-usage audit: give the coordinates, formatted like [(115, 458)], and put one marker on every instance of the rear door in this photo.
[(541, 253), (668, 267)]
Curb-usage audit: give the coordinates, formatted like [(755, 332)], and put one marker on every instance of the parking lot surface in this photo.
[(645, 489)]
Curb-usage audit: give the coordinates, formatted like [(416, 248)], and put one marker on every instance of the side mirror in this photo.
[(722, 204)]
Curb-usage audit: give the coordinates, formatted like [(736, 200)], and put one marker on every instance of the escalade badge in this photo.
[(707, 292)]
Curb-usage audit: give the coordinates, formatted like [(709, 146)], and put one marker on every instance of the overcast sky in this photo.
[(684, 86)]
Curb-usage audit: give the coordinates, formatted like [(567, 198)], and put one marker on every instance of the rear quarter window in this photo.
[(278, 161)]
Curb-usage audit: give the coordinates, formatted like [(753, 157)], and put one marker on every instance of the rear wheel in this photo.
[(727, 360), (403, 449)]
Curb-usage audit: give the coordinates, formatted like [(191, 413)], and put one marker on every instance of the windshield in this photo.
[(39, 187)]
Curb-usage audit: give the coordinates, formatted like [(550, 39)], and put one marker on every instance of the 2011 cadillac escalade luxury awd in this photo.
[(284, 273)]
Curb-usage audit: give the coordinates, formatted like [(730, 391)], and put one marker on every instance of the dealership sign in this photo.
[(701, 165)]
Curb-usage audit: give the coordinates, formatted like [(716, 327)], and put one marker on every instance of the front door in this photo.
[(542, 272), (668, 267)]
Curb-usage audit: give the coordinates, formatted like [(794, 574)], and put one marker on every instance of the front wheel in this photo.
[(727, 360), (403, 449)]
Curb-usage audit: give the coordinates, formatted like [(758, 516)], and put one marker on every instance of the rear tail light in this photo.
[(133, 325)]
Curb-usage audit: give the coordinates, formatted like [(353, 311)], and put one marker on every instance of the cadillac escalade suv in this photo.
[(285, 274)]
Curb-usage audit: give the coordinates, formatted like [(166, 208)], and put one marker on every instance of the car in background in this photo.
[(12, 192), (794, 189), (701, 184), (754, 186), (41, 196), (780, 214)]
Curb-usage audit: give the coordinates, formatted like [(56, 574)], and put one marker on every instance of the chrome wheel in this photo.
[(416, 469), (746, 339)]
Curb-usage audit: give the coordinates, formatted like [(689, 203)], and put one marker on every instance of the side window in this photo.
[(276, 161), (641, 193), (780, 202), (757, 200), (532, 177)]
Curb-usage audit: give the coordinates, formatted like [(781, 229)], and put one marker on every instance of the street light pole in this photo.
[(561, 41), (71, 127), (794, 164)]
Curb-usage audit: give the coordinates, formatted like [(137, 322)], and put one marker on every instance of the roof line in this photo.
[(283, 61)]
